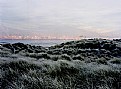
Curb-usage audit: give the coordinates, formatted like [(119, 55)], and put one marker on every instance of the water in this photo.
[(44, 43)]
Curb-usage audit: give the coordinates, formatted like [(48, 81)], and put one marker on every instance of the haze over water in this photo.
[(44, 43), (60, 19)]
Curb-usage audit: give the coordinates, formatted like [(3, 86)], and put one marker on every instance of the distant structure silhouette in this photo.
[(82, 37)]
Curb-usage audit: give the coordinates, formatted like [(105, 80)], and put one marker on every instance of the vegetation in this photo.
[(71, 65)]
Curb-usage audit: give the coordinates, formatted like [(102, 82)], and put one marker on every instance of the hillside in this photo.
[(82, 64)]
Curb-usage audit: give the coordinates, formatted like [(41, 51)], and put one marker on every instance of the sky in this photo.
[(61, 18)]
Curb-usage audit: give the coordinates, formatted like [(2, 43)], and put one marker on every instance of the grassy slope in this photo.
[(85, 64)]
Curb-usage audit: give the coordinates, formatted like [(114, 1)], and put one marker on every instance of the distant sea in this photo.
[(44, 43)]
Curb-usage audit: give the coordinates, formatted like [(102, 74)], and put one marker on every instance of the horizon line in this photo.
[(36, 39), (57, 38)]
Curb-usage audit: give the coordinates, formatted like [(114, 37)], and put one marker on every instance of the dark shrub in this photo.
[(101, 61), (66, 57), (116, 61), (78, 57)]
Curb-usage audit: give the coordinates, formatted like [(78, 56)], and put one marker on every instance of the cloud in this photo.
[(67, 17)]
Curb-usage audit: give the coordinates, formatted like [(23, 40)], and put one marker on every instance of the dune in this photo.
[(82, 64)]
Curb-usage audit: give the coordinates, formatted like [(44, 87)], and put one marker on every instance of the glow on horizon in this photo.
[(59, 18), (39, 38)]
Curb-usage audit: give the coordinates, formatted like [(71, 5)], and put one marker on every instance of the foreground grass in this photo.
[(61, 74)]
